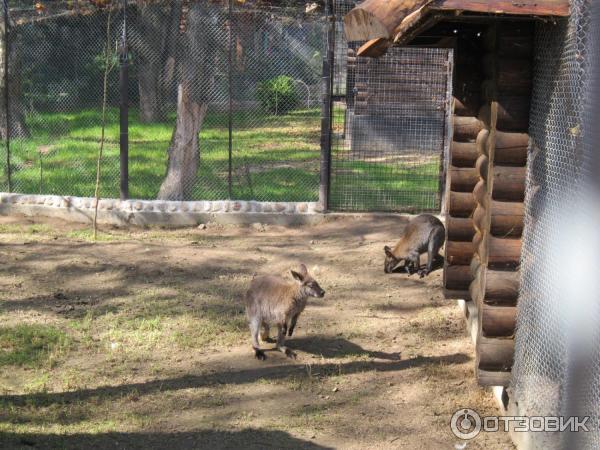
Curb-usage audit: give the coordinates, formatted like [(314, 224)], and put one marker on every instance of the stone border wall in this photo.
[(159, 212)]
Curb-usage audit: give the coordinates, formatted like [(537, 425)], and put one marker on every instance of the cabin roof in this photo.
[(383, 22)]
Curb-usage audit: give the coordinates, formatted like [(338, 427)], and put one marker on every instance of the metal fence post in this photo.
[(326, 110), (6, 91), (124, 110), (230, 107)]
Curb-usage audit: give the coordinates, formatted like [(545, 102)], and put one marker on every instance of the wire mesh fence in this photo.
[(223, 98), (557, 365), (389, 126)]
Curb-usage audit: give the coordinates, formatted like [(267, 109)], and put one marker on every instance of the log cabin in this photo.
[(485, 181)]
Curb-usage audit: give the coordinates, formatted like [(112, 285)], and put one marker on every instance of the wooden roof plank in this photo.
[(390, 19), (558, 8)]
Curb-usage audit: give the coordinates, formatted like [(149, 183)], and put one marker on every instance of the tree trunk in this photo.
[(184, 149), (194, 68), (150, 110), (13, 44), (149, 40)]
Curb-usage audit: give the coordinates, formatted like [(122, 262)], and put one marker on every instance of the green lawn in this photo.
[(275, 158), (359, 185)]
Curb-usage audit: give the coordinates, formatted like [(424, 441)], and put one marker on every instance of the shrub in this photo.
[(278, 95)]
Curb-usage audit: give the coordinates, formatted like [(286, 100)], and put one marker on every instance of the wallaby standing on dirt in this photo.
[(273, 300), (424, 233)]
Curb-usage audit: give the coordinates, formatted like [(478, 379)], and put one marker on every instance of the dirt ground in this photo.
[(140, 341)]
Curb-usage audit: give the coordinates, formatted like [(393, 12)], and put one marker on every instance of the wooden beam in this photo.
[(504, 253), (463, 179), (460, 228), (402, 20), (463, 154), (507, 219), (491, 378), (374, 48), (513, 113), (457, 277), (461, 204), (511, 148), (466, 129), (501, 287), (459, 253), (374, 19), (450, 294), (498, 321), (495, 354), (558, 8), (509, 183)]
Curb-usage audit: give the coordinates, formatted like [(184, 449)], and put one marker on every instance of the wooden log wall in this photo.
[(499, 194), (462, 174)]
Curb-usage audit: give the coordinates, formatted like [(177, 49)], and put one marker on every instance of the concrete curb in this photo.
[(160, 212)]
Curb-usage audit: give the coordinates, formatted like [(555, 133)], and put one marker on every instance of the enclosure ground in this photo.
[(140, 341)]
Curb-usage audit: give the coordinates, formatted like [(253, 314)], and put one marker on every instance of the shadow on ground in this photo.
[(247, 439), (331, 347), (239, 377)]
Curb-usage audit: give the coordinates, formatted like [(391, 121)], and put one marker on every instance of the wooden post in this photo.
[(327, 110), (445, 156)]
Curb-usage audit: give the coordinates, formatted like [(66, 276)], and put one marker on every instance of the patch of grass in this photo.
[(361, 185), (60, 156), (210, 329), (88, 235), (275, 158), (28, 230), (31, 345)]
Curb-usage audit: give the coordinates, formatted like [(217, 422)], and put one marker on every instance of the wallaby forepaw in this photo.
[(290, 353), (290, 332), (259, 354), (423, 273)]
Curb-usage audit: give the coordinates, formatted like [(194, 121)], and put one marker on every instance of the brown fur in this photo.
[(424, 233), (273, 300)]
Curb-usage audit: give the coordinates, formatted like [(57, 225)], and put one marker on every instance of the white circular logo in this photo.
[(465, 424)]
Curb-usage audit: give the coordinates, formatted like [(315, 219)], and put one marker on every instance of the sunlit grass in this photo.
[(274, 158), (60, 156), (31, 345)]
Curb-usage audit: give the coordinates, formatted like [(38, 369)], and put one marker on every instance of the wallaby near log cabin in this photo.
[(273, 300), (424, 233)]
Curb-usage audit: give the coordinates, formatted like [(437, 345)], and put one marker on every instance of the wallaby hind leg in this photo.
[(436, 240), (264, 334), (254, 330), (281, 343), (292, 325), (416, 260)]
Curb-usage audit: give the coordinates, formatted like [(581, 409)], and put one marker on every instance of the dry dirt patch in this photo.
[(140, 341)]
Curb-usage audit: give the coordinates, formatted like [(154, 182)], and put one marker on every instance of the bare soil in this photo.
[(154, 351)]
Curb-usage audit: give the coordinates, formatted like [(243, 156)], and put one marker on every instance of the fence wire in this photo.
[(224, 99), (389, 131), (557, 359)]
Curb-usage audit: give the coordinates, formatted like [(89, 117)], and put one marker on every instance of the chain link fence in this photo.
[(557, 359), (223, 98), (389, 155), (389, 126)]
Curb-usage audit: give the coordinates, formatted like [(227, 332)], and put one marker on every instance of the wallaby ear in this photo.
[(388, 251), (303, 270), (297, 276)]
